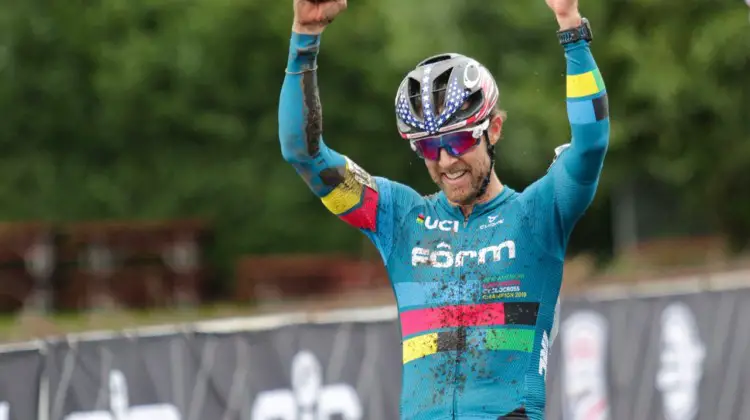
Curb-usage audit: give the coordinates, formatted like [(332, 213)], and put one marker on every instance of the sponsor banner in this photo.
[(338, 371), (20, 373), (335, 371), (653, 358), (663, 358), (118, 378)]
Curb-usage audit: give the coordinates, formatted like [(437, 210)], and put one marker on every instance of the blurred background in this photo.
[(143, 183), (141, 167)]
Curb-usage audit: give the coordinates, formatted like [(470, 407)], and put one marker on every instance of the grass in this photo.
[(28, 326)]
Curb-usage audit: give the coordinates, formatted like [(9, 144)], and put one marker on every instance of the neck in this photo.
[(494, 188)]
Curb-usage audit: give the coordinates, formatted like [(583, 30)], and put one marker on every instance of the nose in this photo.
[(446, 160)]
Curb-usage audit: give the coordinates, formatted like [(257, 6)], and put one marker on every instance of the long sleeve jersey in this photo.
[(477, 296)]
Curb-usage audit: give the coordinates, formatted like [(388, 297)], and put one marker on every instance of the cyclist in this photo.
[(476, 269)]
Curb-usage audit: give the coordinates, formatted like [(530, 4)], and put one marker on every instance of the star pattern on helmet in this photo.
[(429, 120), (454, 96), (404, 113)]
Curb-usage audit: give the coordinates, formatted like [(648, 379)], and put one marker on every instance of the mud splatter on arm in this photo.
[(344, 188)]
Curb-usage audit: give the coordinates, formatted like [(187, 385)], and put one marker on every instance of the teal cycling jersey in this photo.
[(477, 296)]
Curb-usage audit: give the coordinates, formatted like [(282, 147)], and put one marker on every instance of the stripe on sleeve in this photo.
[(364, 216), (355, 198), (586, 84), (345, 196), (601, 107), (588, 111)]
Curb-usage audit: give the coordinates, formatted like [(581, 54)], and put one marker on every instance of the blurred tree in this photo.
[(161, 109)]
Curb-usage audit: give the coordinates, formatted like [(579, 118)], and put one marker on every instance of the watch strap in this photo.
[(582, 32)]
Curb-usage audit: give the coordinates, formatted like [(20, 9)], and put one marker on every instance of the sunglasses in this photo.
[(455, 144)]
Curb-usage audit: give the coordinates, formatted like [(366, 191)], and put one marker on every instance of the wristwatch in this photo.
[(582, 32)]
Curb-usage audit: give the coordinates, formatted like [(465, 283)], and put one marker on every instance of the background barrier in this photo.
[(669, 354)]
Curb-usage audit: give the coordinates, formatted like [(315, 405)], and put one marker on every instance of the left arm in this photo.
[(576, 172), (563, 195)]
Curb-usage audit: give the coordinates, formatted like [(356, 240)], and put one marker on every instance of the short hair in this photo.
[(499, 112)]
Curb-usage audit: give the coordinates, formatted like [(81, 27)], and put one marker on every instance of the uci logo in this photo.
[(444, 225)]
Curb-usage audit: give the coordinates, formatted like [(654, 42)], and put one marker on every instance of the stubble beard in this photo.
[(463, 196)]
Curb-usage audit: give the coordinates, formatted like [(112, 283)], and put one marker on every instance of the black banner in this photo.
[(327, 371), (20, 371), (673, 357), (648, 358), (117, 378)]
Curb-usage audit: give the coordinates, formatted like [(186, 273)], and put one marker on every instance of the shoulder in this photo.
[(537, 197), (541, 189), (558, 152), (402, 198)]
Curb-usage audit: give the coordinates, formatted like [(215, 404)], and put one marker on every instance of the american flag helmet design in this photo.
[(444, 93)]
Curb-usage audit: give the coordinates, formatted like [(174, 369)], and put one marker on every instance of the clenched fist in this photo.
[(566, 12), (312, 16)]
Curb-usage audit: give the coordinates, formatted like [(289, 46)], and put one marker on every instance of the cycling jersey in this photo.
[(477, 296)]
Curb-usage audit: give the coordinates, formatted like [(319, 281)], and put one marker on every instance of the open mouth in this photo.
[(454, 177)]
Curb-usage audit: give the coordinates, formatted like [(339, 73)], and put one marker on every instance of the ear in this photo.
[(495, 129)]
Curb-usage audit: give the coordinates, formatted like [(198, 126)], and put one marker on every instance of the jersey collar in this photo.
[(481, 208)]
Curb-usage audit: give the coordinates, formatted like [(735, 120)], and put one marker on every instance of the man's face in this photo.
[(461, 177)]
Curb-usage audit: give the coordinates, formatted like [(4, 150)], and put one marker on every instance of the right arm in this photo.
[(344, 188), (373, 205)]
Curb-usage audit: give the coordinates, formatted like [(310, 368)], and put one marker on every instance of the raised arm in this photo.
[(564, 194), (374, 205), (346, 190), (588, 114)]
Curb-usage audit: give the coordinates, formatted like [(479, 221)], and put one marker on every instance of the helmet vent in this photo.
[(436, 59), (415, 96), (439, 88)]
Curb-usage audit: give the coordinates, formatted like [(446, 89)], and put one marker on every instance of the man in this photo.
[(477, 268)]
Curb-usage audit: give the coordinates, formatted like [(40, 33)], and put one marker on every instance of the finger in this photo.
[(331, 10), (325, 3)]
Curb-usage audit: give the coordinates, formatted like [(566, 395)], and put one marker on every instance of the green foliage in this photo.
[(168, 108)]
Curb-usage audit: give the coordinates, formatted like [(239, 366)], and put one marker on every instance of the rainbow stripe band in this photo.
[(456, 340), (364, 216), (355, 199), (346, 195), (420, 321)]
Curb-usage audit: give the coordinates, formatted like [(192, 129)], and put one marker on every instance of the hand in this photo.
[(566, 12), (312, 16)]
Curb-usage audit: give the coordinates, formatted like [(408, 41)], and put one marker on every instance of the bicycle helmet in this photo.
[(443, 93)]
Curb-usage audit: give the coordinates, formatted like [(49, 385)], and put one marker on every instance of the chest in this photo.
[(451, 244), (484, 258)]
